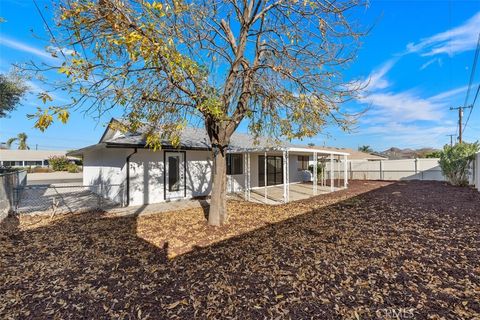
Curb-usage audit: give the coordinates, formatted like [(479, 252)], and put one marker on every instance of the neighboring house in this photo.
[(28, 158), (132, 174), (354, 155)]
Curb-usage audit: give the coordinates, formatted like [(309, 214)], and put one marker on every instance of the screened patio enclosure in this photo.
[(280, 175)]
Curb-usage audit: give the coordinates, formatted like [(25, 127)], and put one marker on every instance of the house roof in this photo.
[(353, 154), (196, 139), (28, 155)]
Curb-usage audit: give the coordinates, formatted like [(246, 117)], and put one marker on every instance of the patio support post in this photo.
[(245, 176), (315, 173), (248, 177), (288, 177), (345, 172), (265, 176), (285, 200), (331, 172)]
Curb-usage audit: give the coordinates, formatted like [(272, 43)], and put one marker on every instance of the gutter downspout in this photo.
[(128, 176)]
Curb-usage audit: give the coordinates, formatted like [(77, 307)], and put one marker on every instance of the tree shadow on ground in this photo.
[(410, 246)]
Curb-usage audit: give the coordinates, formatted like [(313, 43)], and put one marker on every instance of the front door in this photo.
[(174, 175)]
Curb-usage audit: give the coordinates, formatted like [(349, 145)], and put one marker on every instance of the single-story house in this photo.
[(130, 173), (29, 158), (354, 155)]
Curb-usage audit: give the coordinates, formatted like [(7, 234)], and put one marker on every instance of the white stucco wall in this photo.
[(105, 171), (298, 175), (235, 183), (199, 173), (147, 175)]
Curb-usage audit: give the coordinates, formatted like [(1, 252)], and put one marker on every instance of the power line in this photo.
[(472, 76), (472, 105), (476, 96), (451, 138), (48, 28), (460, 121)]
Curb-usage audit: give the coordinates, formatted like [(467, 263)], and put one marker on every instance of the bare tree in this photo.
[(276, 64)]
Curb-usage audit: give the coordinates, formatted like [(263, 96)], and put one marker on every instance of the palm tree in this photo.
[(22, 141), (365, 148)]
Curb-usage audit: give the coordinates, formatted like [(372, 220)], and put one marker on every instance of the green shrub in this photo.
[(58, 163), (320, 169), (72, 168), (455, 162), (434, 154)]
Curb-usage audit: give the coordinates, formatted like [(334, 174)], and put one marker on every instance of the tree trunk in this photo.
[(219, 133), (217, 214)]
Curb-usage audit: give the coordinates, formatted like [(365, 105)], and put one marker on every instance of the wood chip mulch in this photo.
[(379, 250)]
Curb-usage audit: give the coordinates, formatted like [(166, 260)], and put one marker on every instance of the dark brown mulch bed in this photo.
[(377, 250)]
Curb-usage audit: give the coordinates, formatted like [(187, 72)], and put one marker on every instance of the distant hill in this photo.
[(397, 153)]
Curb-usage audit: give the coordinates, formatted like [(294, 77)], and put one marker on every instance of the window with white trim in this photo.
[(303, 163)]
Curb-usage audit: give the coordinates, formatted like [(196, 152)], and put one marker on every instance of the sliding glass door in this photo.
[(274, 170)]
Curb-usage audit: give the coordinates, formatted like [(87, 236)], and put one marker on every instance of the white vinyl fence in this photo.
[(409, 169)]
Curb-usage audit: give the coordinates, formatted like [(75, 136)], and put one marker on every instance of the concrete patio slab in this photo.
[(298, 191)]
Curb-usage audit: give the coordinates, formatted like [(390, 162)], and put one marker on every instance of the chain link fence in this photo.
[(10, 181), (60, 198)]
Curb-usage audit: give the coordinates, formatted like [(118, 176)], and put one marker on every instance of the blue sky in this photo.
[(417, 61)]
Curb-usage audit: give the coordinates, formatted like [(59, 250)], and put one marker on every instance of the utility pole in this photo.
[(460, 119), (451, 139)]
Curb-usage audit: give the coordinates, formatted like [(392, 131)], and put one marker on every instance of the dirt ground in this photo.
[(404, 250)]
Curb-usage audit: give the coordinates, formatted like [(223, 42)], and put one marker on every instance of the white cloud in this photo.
[(453, 41), (376, 79), (404, 106), (57, 50), (408, 117), (409, 106), (35, 89), (431, 61), (449, 94), (17, 45), (409, 135), (393, 118)]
